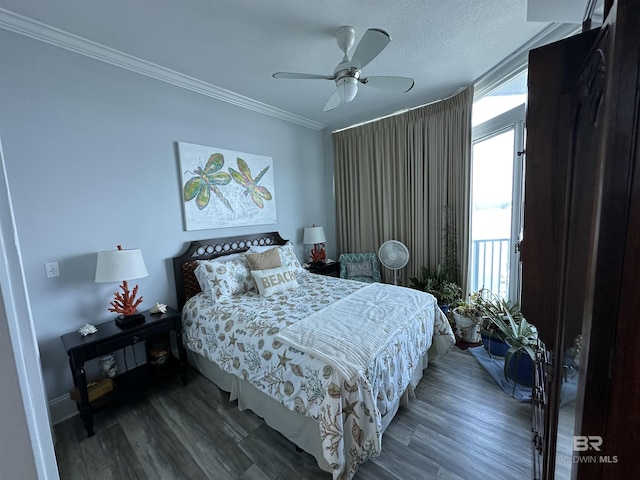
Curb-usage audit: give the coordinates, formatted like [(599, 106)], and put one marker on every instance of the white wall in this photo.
[(330, 197), (91, 159), (16, 455), (27, 448)]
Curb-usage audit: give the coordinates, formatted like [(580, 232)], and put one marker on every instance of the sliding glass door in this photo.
[(496, 204)]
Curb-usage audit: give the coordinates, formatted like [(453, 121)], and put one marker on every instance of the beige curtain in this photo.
[(401, 177)]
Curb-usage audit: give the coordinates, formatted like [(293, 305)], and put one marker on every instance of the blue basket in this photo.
[(493, 343), (520, 369)]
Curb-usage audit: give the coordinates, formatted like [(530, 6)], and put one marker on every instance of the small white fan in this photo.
[(394, 255)]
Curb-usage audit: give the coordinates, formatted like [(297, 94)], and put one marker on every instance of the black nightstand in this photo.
[(329, 269), (110, 338)]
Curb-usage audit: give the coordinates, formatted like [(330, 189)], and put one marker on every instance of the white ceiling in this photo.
[(556, 10), (237, 45)]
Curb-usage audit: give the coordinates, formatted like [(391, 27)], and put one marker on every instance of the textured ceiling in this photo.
[(237, 45)]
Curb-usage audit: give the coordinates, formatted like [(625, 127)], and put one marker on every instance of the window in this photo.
[(505, 97), (496, 189)]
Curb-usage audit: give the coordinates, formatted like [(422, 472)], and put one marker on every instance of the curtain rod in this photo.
[(404, 110)]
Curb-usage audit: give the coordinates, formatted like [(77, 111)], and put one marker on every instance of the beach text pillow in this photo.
[(274, 280)]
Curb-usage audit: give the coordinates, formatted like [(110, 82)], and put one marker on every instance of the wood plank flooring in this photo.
[(461, 425)]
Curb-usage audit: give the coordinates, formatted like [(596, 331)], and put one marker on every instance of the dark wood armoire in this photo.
[(580, 251)]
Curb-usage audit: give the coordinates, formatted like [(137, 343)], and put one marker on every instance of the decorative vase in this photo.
[(158, 351), (468, 328), (108, 366)]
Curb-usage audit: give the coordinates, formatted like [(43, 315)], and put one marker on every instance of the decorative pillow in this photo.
[(260, 248), (359, 269), (224, 278), (274, 280), (289, 259), (265, 260), (203, 281), (287, 254)]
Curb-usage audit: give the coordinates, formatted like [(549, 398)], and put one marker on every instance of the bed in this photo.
[(325, 361)]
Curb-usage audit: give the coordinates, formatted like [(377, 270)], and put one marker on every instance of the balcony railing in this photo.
[(490, 265)]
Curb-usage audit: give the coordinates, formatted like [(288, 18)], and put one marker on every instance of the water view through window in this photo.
[(491, 212), (498, 120)]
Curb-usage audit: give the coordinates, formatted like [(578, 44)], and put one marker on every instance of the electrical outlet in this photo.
[(52, 269)]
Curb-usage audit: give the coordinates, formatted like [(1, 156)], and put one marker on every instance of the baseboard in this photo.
[(62, 408)]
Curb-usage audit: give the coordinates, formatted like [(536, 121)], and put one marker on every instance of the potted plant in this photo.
[(493, 339), (468, 318), (446, 291), (520, 335)]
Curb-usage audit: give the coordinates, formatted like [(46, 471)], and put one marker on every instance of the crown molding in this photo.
[(517, 62), (59, 38)]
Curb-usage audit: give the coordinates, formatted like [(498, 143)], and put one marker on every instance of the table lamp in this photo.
[(117, 265), (315, 236)]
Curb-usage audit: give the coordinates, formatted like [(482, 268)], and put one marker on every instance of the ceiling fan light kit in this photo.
[(347, 73), (347, 88)]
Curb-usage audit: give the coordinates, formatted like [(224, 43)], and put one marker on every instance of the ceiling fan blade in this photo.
[(372, 43), (392, 84), (302, 76), (333, 102)]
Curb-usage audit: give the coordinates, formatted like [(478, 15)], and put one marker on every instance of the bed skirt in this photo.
[(299, 429)]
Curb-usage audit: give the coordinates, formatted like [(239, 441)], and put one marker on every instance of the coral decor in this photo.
[(125, 302), (318, 253)]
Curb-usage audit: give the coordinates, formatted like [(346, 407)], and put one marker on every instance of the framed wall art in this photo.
[(224, 188)]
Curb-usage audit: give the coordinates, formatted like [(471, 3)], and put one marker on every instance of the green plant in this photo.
[(470, 308), (507, 319), (442, 282), (467, 317), (486, 300), (450, 265), (446, 291)]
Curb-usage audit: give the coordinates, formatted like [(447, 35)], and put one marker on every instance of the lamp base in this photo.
[(129, 321)]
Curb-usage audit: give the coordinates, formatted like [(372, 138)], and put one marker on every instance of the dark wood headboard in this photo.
[(185, 263)]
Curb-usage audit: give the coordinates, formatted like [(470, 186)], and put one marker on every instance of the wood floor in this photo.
[(461, 425)]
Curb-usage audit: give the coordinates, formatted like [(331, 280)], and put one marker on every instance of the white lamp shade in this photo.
[(347, 88), (313, 235), (118, 265)]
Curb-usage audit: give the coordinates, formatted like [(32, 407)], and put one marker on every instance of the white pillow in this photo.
[(203, 281), (274, 280), (287, 254), (224, 278), (288, 257)]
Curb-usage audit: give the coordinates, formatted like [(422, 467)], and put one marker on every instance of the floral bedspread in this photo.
[(238, 334)]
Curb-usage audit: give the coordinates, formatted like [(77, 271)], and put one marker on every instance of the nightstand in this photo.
[(329, 269), (110, 338)]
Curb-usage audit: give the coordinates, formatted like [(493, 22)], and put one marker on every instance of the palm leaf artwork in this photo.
[(207, 181), (251, 187)]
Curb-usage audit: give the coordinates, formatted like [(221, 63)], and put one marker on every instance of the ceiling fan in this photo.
[(347, 73)]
